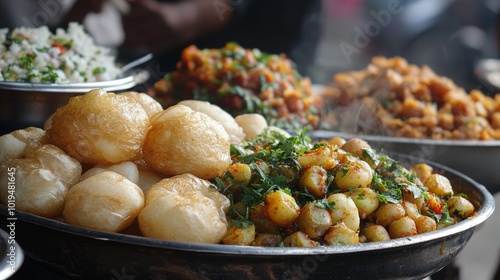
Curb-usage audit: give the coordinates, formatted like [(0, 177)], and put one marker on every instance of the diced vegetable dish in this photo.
[(36, 55), (243, 81)]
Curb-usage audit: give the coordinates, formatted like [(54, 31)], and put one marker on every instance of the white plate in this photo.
[(131, 79)]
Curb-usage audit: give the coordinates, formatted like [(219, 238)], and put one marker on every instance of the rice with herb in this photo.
[(37, 55)]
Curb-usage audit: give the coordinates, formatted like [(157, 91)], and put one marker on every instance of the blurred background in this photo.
[(448, 35)]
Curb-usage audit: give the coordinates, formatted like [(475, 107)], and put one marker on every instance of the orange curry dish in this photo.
[(243, 81), (392, 97)]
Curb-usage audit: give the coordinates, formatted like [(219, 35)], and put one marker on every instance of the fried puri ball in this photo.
[(100, 127), (42, 180), (253, 124), (215, 112), (107, 201), (184, 208), (17, 143), (148, 103), (185, 141)]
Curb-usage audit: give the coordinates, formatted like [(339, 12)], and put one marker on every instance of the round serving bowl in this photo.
[(81, 253), (31, 104)]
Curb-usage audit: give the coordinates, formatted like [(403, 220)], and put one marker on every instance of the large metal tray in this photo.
[(80, 253)]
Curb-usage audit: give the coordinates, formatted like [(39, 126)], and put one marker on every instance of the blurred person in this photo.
[(167, 27), (98, 17)]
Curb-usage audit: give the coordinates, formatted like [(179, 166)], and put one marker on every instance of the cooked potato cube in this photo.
[(355, 146), (282, 208), (313, 220), (314, 157), (259, 217), (268, 240), (439, 185), (388, 213), (425, 224), (366, 201), (314, 180), (355, 174), (423, 171), (239, 235), (460, 207), (340, 234), (345, 211), (299, 239), (405, 226), (376, 233)]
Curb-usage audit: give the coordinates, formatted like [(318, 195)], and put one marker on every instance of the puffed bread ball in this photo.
[(127, 169), (17, 143), (107, 201), (42, 180), (148, 103), (184, 208), (252, 124), (100, 127), (215, 112), (185, 141), (37, 190)]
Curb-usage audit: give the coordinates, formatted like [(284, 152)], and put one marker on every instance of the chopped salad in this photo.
[(36, 55), (243, 81)]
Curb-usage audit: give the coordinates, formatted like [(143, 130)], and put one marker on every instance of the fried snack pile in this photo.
[(394, 98), (243, 81), (100, 154), (122, 163)]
